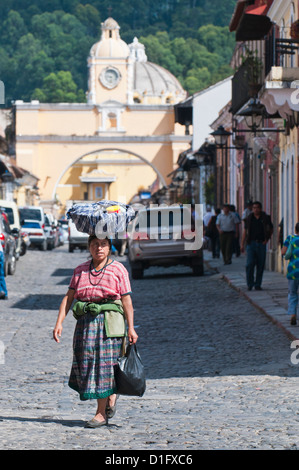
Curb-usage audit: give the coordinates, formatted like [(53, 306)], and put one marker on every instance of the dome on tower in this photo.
[(141, 81), (110, 44), (152, 80)]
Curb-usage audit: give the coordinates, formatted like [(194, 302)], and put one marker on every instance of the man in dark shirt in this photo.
[(258, 231)]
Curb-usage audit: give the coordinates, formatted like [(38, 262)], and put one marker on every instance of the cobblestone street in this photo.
[(219, 374)]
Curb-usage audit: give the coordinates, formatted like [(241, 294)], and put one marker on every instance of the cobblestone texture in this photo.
[(219, 374)]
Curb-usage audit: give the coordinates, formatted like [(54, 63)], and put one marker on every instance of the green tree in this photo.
[(12, 29), (190, 38), (58, 88), (89, 16)]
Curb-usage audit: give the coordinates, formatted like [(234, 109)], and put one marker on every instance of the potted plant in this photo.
[(253, 70)]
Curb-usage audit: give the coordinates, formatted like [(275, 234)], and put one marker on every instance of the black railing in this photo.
[(276, 51), (257, 64), (246, 82)]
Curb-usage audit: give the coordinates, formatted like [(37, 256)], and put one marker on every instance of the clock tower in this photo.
[(108, 64)]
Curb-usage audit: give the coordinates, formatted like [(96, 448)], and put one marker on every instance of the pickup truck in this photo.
[(76, 239)]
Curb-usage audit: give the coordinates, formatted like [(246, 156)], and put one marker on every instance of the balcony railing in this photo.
[(279, 52), (246, 82), (253, 69)]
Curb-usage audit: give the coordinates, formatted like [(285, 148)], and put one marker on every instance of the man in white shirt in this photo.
[(207, 217), (227, 224)]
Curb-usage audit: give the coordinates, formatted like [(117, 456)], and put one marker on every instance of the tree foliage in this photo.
[(46, 42)]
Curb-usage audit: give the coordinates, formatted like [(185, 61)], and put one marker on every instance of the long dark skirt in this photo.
[(94, 355)]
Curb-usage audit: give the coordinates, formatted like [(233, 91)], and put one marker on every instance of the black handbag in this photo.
[(129, 373)]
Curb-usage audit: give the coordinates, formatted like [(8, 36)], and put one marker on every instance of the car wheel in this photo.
[(12, 265), (198, 270), (137, 273), (43, 247)]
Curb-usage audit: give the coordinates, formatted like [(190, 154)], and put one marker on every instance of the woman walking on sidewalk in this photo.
[(292, 273), (95, 284)]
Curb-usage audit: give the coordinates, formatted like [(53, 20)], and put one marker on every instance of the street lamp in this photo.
[(221, 136), (253, 115), (204, 159)]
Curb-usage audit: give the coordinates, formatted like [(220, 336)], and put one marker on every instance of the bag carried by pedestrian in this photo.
[(129, 373)]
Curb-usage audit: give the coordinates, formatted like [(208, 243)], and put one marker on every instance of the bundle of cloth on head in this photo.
[(101, 218)]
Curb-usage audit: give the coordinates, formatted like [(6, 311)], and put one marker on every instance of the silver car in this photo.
[(164, 236)]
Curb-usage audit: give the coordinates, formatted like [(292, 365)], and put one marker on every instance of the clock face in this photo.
[(110, 77)]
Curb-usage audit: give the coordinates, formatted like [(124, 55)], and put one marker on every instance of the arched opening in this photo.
[(108, 173)]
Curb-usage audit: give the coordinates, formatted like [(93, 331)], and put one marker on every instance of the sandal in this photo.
[(94, 423), (111, 410), (293, 320)]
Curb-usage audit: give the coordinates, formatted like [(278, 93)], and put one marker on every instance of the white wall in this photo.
[(206, 106)]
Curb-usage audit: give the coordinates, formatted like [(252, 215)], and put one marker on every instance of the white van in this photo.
[(32, 213), (77, 239), (11, 210)]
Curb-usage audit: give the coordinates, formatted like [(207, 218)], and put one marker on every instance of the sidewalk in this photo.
[(272, 300)]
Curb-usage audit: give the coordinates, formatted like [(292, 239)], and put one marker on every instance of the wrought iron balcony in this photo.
[(252, 72), (246, 82), (277, 50)]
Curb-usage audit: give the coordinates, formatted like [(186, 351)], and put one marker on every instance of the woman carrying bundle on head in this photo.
[(101, 288)]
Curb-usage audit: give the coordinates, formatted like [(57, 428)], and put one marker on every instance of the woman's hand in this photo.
[(63, 310), (129, 313), (57, 332), (132, 335)]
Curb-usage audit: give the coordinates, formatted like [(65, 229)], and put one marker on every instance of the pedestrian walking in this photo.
[(3, 288), (292, 273), (97, 285), (257, 232), (236, 239), (207, 217), (228, 227), (280, 237), (247, 210), (213, 234)]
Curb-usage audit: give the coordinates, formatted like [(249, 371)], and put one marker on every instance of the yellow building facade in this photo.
[(122, 139)]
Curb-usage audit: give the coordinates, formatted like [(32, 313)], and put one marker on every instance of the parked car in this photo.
[(61, 235), (32, 213), (36, 233), (162, 236), (64, 224), (76, 239), (11, 210), (25, 242), (51, 232), (9, 245)]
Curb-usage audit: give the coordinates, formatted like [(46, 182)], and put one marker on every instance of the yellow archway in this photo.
[(109, 173)]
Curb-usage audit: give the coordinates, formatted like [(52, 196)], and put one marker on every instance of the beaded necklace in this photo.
[(99, 272)]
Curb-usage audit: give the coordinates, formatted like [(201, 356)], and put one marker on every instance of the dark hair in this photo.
[(94, 237), (257, 203), (297, 227)]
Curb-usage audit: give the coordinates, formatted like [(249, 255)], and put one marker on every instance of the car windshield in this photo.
[(31, 225), (9, 212), (30, 214)]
